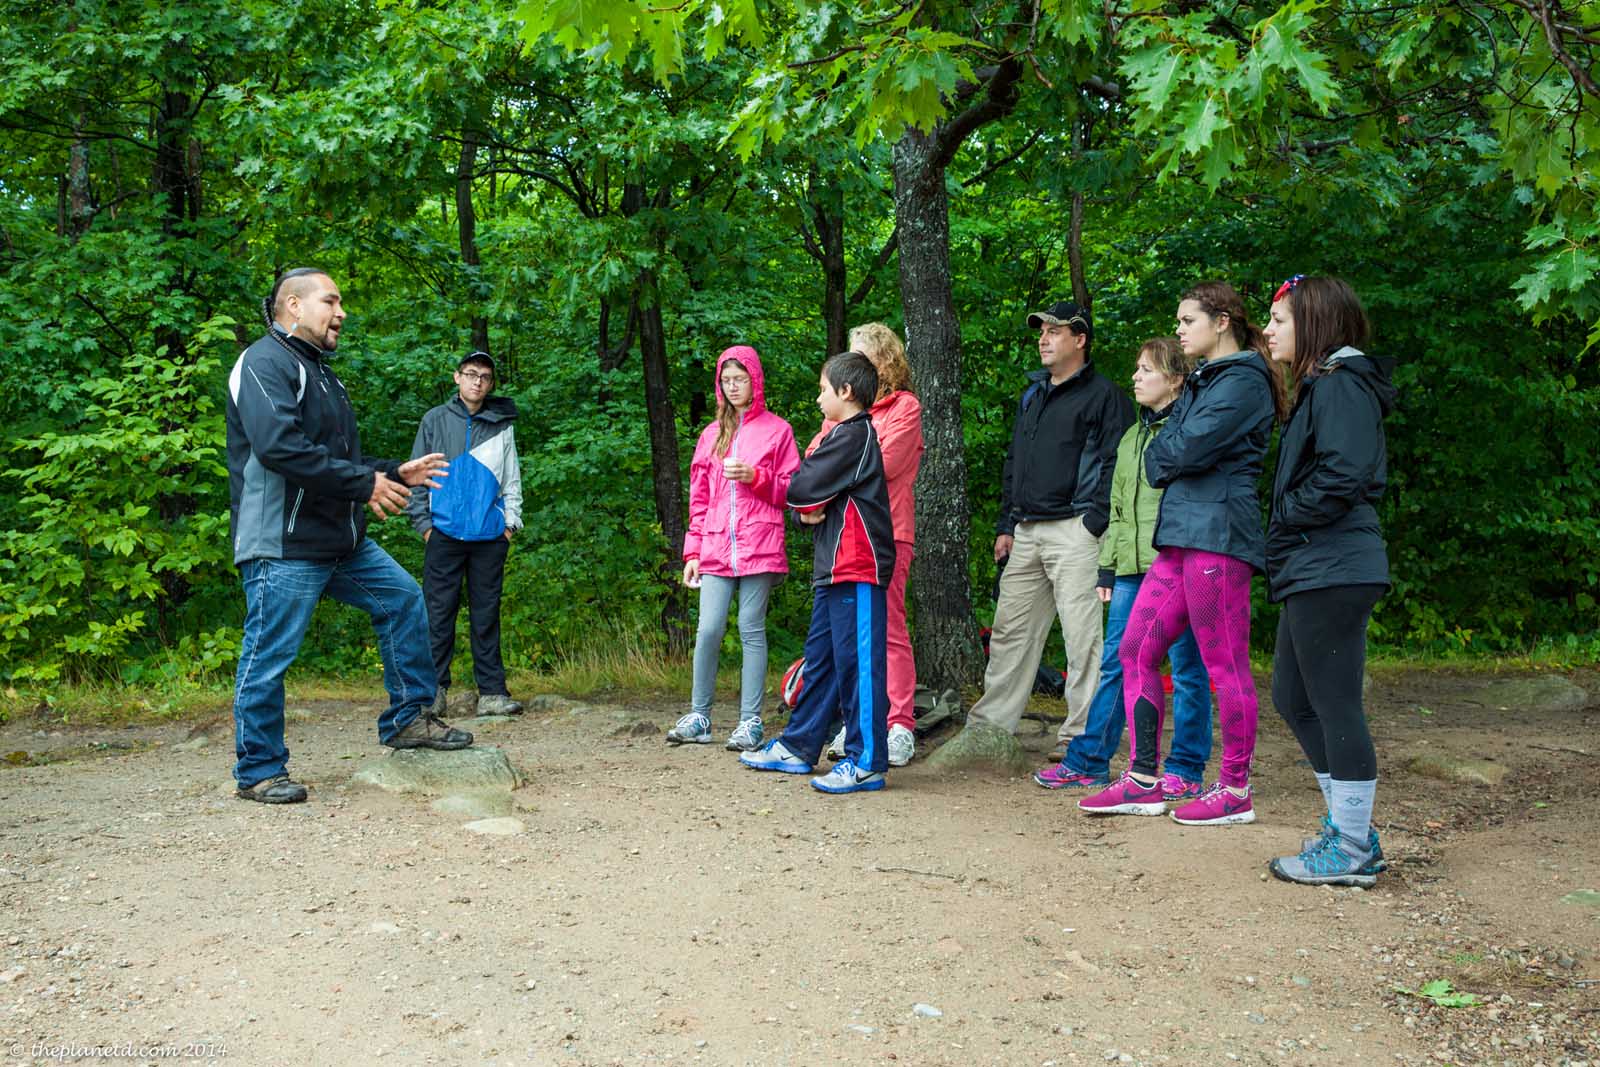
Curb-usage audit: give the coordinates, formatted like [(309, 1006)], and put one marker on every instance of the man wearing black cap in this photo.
[(467, 526), (1055, 503)]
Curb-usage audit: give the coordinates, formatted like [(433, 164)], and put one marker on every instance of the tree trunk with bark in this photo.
[(947, 649), (663, 441)]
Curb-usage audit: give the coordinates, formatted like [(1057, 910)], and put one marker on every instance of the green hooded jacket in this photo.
[(1126, 548)]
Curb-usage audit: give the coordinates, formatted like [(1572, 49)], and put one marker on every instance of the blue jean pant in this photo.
[(1091, 751), (846, 675), (279, 597), (716, 595)]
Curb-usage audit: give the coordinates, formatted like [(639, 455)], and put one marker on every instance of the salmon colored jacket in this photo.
[(736, 528), (898, 420)]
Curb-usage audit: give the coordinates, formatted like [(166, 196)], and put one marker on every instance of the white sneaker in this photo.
[(835, 749), (692, 729), (902, 745), (746, 737)]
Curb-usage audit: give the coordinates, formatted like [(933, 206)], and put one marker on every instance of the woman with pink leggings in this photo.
[(1210, 542)]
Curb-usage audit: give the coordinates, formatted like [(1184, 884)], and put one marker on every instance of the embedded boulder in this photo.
[(480, 769), (980, 745), (1538, 692)]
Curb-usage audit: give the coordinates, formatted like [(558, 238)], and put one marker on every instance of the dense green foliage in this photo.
[(617, 162)]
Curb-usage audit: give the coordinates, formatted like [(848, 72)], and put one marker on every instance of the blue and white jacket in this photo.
[(482, 496)]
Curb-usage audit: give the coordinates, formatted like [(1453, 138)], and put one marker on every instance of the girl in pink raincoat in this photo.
[(737, 483)]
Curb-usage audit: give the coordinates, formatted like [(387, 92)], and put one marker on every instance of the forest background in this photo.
[(605, 194)]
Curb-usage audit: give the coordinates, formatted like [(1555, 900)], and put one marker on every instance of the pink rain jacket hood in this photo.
[(736, 528)]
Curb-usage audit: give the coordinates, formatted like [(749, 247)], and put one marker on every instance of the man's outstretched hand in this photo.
[(390, 497)]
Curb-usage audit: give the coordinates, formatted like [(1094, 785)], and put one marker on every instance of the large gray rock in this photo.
[(1449, 768), (480, 769), (980, 745), (1538, 692)]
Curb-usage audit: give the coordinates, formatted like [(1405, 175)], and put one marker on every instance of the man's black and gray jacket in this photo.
[(297, 481), (1063, 448)]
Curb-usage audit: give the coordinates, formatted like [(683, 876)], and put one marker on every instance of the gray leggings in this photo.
[(716, 596)]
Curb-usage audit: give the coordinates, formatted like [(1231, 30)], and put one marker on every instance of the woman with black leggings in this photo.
[(1327, 565)]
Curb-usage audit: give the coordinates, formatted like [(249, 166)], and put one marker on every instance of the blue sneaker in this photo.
[(1331, 862), (693, 729), (846, 777), (1376, 865), (772, 756)]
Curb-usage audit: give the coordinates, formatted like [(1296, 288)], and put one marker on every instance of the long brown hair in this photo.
[(1327, 316), (882, 346), (1220, 298)]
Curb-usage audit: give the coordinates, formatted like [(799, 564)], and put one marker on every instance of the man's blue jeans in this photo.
[(279, 597), (1091, 751)]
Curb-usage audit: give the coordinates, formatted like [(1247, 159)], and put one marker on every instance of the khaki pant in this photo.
[(1052, 571)]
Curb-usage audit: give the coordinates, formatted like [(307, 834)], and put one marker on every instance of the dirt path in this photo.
[(666, 906)]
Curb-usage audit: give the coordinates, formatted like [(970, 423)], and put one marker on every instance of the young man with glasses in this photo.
[(467, 526), (1055, 503)]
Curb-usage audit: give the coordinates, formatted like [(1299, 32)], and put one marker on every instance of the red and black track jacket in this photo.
[(855, 542)]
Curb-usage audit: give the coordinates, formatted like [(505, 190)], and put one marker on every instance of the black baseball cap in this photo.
[(477, 356), (1063, 313)]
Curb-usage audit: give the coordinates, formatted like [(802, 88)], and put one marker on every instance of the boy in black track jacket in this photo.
[(840, 488)]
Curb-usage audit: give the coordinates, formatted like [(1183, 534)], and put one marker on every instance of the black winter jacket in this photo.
[(1208, 459), (855, 540), (1332, 469), (1063, 448), (297, 482)]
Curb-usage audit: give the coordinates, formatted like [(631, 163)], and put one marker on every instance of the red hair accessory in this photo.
[(1287, 287)]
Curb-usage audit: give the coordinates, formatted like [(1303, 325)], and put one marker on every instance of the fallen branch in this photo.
[(1560, 748), (925, 874)]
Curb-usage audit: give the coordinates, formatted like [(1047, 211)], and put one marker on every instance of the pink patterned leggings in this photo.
[(1209, 593)]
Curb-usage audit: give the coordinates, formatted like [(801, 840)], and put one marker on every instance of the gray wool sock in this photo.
[(1351, 806), (1324, 783)]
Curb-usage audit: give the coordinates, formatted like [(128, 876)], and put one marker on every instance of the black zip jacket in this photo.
[(1332, 469), (855, 540), (1063, 448), (298, 485), (1208, 459)]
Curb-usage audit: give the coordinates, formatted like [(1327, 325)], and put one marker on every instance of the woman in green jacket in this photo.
[(1125, 554)]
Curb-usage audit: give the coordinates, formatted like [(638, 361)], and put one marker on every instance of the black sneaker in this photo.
[(280, 789), (427, 730)]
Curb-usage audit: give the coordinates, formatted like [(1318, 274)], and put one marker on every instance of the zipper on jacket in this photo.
[(354, 536), (294, 513), (733, 503)]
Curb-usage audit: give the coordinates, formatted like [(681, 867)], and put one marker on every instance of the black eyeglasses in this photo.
[(476, 376)]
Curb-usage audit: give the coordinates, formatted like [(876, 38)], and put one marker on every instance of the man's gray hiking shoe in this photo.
[(279, 789), (498, 704), (427, 730)]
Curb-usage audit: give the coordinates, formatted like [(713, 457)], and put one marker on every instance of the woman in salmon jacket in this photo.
[(738, 480)]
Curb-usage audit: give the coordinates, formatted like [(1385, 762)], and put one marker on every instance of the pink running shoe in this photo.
[(1060, 776), (1175, 788), (1217, 807), (1126, 796)]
